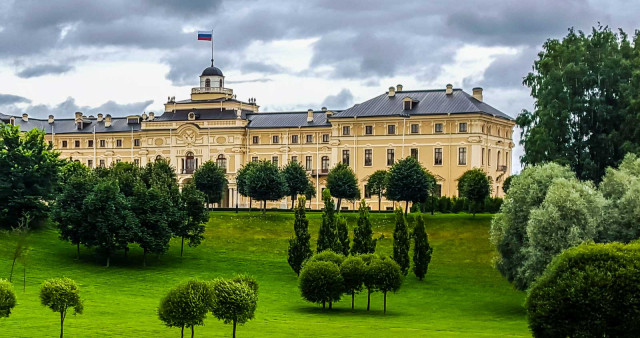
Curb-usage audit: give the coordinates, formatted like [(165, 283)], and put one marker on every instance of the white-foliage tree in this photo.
[(621, 188)]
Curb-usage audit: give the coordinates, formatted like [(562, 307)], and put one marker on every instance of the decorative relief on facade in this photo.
[(159, 141), (221, 140)]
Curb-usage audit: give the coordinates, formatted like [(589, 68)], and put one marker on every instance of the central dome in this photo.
[(212, 71)]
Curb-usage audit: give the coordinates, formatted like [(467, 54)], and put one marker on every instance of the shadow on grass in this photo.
[(342, 311)]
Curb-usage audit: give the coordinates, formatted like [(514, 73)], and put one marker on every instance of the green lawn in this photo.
[(462, 296)]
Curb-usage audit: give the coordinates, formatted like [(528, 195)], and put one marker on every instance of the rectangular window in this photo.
[(438, 127), (437, 156), (90, 164), (414, 153), (308, 162), (255, 139), (76, 144), (102, 164), (368, 157), (294, 158), (462, 127), (367, 192), (391, 129), (310, 138), (415, 128), (103, 143), (136, 162), (489, 157), (294, 139), (90, 143), (325, 138), (345, 156), (482, 156), (136, 142), (118, 143), (275, 139), (274, 160), (64, 144), (368, 130), (254, 159), (462, 156), (346, 131), (391, 156)]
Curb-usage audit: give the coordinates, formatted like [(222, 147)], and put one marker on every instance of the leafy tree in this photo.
[(581, 86), (342, 233), (192, 228), (343, 183), (69, 170), (421, 249), (159, 172), (475, 186), (186, 305), (297, 180), (401, 242), (310, 192), (408, 181), (234, 301), (265, 182), (127, 175), (363, 241), (369, 275), (60, 294), (321, 282), (7, 298), (327, 236), (300, 246), (109, 218), (154, 233), (387, 276), (29, 173), (211, 180), (592, 290), (377, 184), (509, 227), (507, 183), (328, 256), (352, 270), (241, 180)]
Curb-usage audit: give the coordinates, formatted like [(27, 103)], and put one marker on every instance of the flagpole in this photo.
[(212, 48)]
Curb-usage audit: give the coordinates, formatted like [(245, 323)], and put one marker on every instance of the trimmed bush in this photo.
[(234, 301), (321, 282), (352, 271), (327, 256), (7, 298)]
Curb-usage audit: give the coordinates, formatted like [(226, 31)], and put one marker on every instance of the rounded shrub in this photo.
[(7, 298), (327, 256), (592, 290), (321, 282)]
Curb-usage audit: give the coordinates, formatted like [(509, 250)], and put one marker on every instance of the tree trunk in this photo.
[(234, 329), (61, 324), (353, 298), (126, 251), (432, 205), (330, 305), (368, 299), (108, 258), (323, 304), (264, 207), (78, 251), (338, 205), (379, 202), (406, 207), (144, 258), (182, 247), (182, 332), (385, 303), (293, 201), (12, 265), (192, 331), (250, 203)]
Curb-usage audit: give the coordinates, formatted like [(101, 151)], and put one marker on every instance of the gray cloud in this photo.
[(44, 69), (342, 100), (69, 106), (7, 99), (260, 80), (261, 67)]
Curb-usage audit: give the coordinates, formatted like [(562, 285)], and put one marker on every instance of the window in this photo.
[(462, 156), (325, 138), (275, 139), (118, 143), (482, 156), (254, 159), (136, 142), (64, 144), (367, 191), (391, 129), (346, 131), (368, 130), (90, 164), (345, 156), (438, 127), (221, 162), (118, 160), (489, 157), (310, 138), (368, 157), (255, 139), (102, 165), (274, 160), (462, 127), (90, 143), (136, 162), (294, 159), (308, 162), (407, 105), (437, 157), (189, 164), (325, 164), (207, 83), (438, 192), (294, 139), (414, 153), (103, 143), (76, 143), (415, 128), (391, 156), (498, 159)]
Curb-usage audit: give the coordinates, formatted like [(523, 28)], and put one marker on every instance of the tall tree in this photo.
[(297, 180), (342, 233), (192, 227), (421, 249), (580, 87), (127, 175), (265, 182), (211, 180), (29, 168), (377, 184), (300, 246), (242, 176), (409, 181), (343, 183), (387, 277), (401, 242), (60, 294), (153, 234), (363, 241), (310, 192), (327, 235), (475, 186), (159, 172), (186, 305)]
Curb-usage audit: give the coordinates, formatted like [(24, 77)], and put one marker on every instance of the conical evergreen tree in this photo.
[(401, 242), (299, 247), (363, 242), (327, 239), (343, 235), (421, 249)]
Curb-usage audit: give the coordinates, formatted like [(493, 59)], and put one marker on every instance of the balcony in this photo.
[(321, 172), (502, 168), (211, 90)]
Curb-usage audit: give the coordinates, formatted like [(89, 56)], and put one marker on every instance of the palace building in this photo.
[(448, 130)]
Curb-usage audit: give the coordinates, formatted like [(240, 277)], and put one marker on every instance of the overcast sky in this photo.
[(126, 56)]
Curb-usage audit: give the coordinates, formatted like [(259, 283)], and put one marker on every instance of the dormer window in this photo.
[(408, 103), (133, 120), (79, 125), (12, 121)]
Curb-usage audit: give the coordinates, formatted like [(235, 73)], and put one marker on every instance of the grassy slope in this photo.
[(461, 296)]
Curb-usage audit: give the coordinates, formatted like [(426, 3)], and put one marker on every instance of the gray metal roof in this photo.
[(202, 114), (287, 120), (67, 126), (430, 102)]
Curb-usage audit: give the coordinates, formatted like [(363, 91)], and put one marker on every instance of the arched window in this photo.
[(189, 163), (207, 83), (221, 161), (325, 164)]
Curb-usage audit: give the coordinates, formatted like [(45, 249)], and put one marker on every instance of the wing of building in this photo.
[(448, 130)]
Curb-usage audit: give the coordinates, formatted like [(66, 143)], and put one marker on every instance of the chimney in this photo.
[(25, 117), (78, 115), (100, 117), (309, 115), (144, 116), (392, 92), (50, 119), (107, 121), (477, 93), (399, 86), (324, 108), (151, 116), (449, 90)]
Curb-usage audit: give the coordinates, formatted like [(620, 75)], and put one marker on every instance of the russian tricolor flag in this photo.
[(205, 35)]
